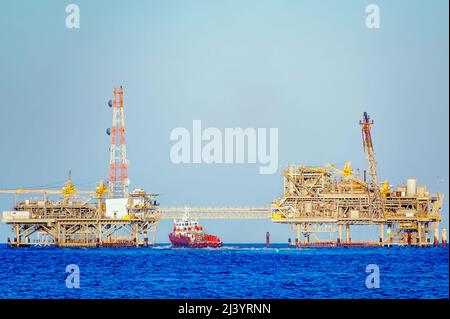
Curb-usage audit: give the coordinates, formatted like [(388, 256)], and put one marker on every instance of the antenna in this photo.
[(118, 176)]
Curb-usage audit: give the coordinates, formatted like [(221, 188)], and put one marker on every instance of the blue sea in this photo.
[(233, 271)]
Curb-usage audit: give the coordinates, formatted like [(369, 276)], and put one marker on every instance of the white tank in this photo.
[(411, 187), (308, 207)]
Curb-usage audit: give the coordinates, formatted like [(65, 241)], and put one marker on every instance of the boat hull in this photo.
[(184, 241)]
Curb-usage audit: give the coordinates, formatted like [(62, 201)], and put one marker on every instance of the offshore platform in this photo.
[(314, 200), (329, 200), (109, 216)]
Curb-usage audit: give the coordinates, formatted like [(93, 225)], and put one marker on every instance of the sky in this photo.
[(308, 68)]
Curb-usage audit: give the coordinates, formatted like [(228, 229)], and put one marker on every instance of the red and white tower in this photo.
[(376, 209), (118, 176)]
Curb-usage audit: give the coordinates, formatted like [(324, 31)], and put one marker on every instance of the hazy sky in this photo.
[(308, 68)]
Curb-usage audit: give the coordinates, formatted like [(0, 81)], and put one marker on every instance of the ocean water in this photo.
[(234, 271)]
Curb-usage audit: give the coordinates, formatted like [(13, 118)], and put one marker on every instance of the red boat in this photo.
[(188, 233)]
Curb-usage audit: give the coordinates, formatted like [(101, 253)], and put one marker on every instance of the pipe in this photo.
[(444, 237), (419, 234), (347, 234), (339, 240), (381, 234), (436, 235), (389, 232)]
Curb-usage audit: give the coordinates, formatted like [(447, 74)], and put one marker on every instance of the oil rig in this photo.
[(108, 216), (314, 200), (329, 200)]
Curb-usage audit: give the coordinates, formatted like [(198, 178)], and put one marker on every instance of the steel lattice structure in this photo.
[(118, 176)]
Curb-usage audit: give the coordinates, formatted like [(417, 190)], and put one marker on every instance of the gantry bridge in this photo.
[(224, 212)]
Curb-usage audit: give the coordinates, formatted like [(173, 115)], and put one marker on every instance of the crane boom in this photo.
[(68, 190), (39, 191), (376, 203), (347, 174)]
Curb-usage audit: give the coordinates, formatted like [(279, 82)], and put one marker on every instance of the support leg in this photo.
[(381, 234), (100, 234), (347, 234), (436, 234), (444, 237), (419, 234), (17, 235), (339, 240), (389, 231)]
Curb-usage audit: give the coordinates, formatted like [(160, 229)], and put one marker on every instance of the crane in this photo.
[(67, 191), (100, 190), (376, 210), (347, 173)]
